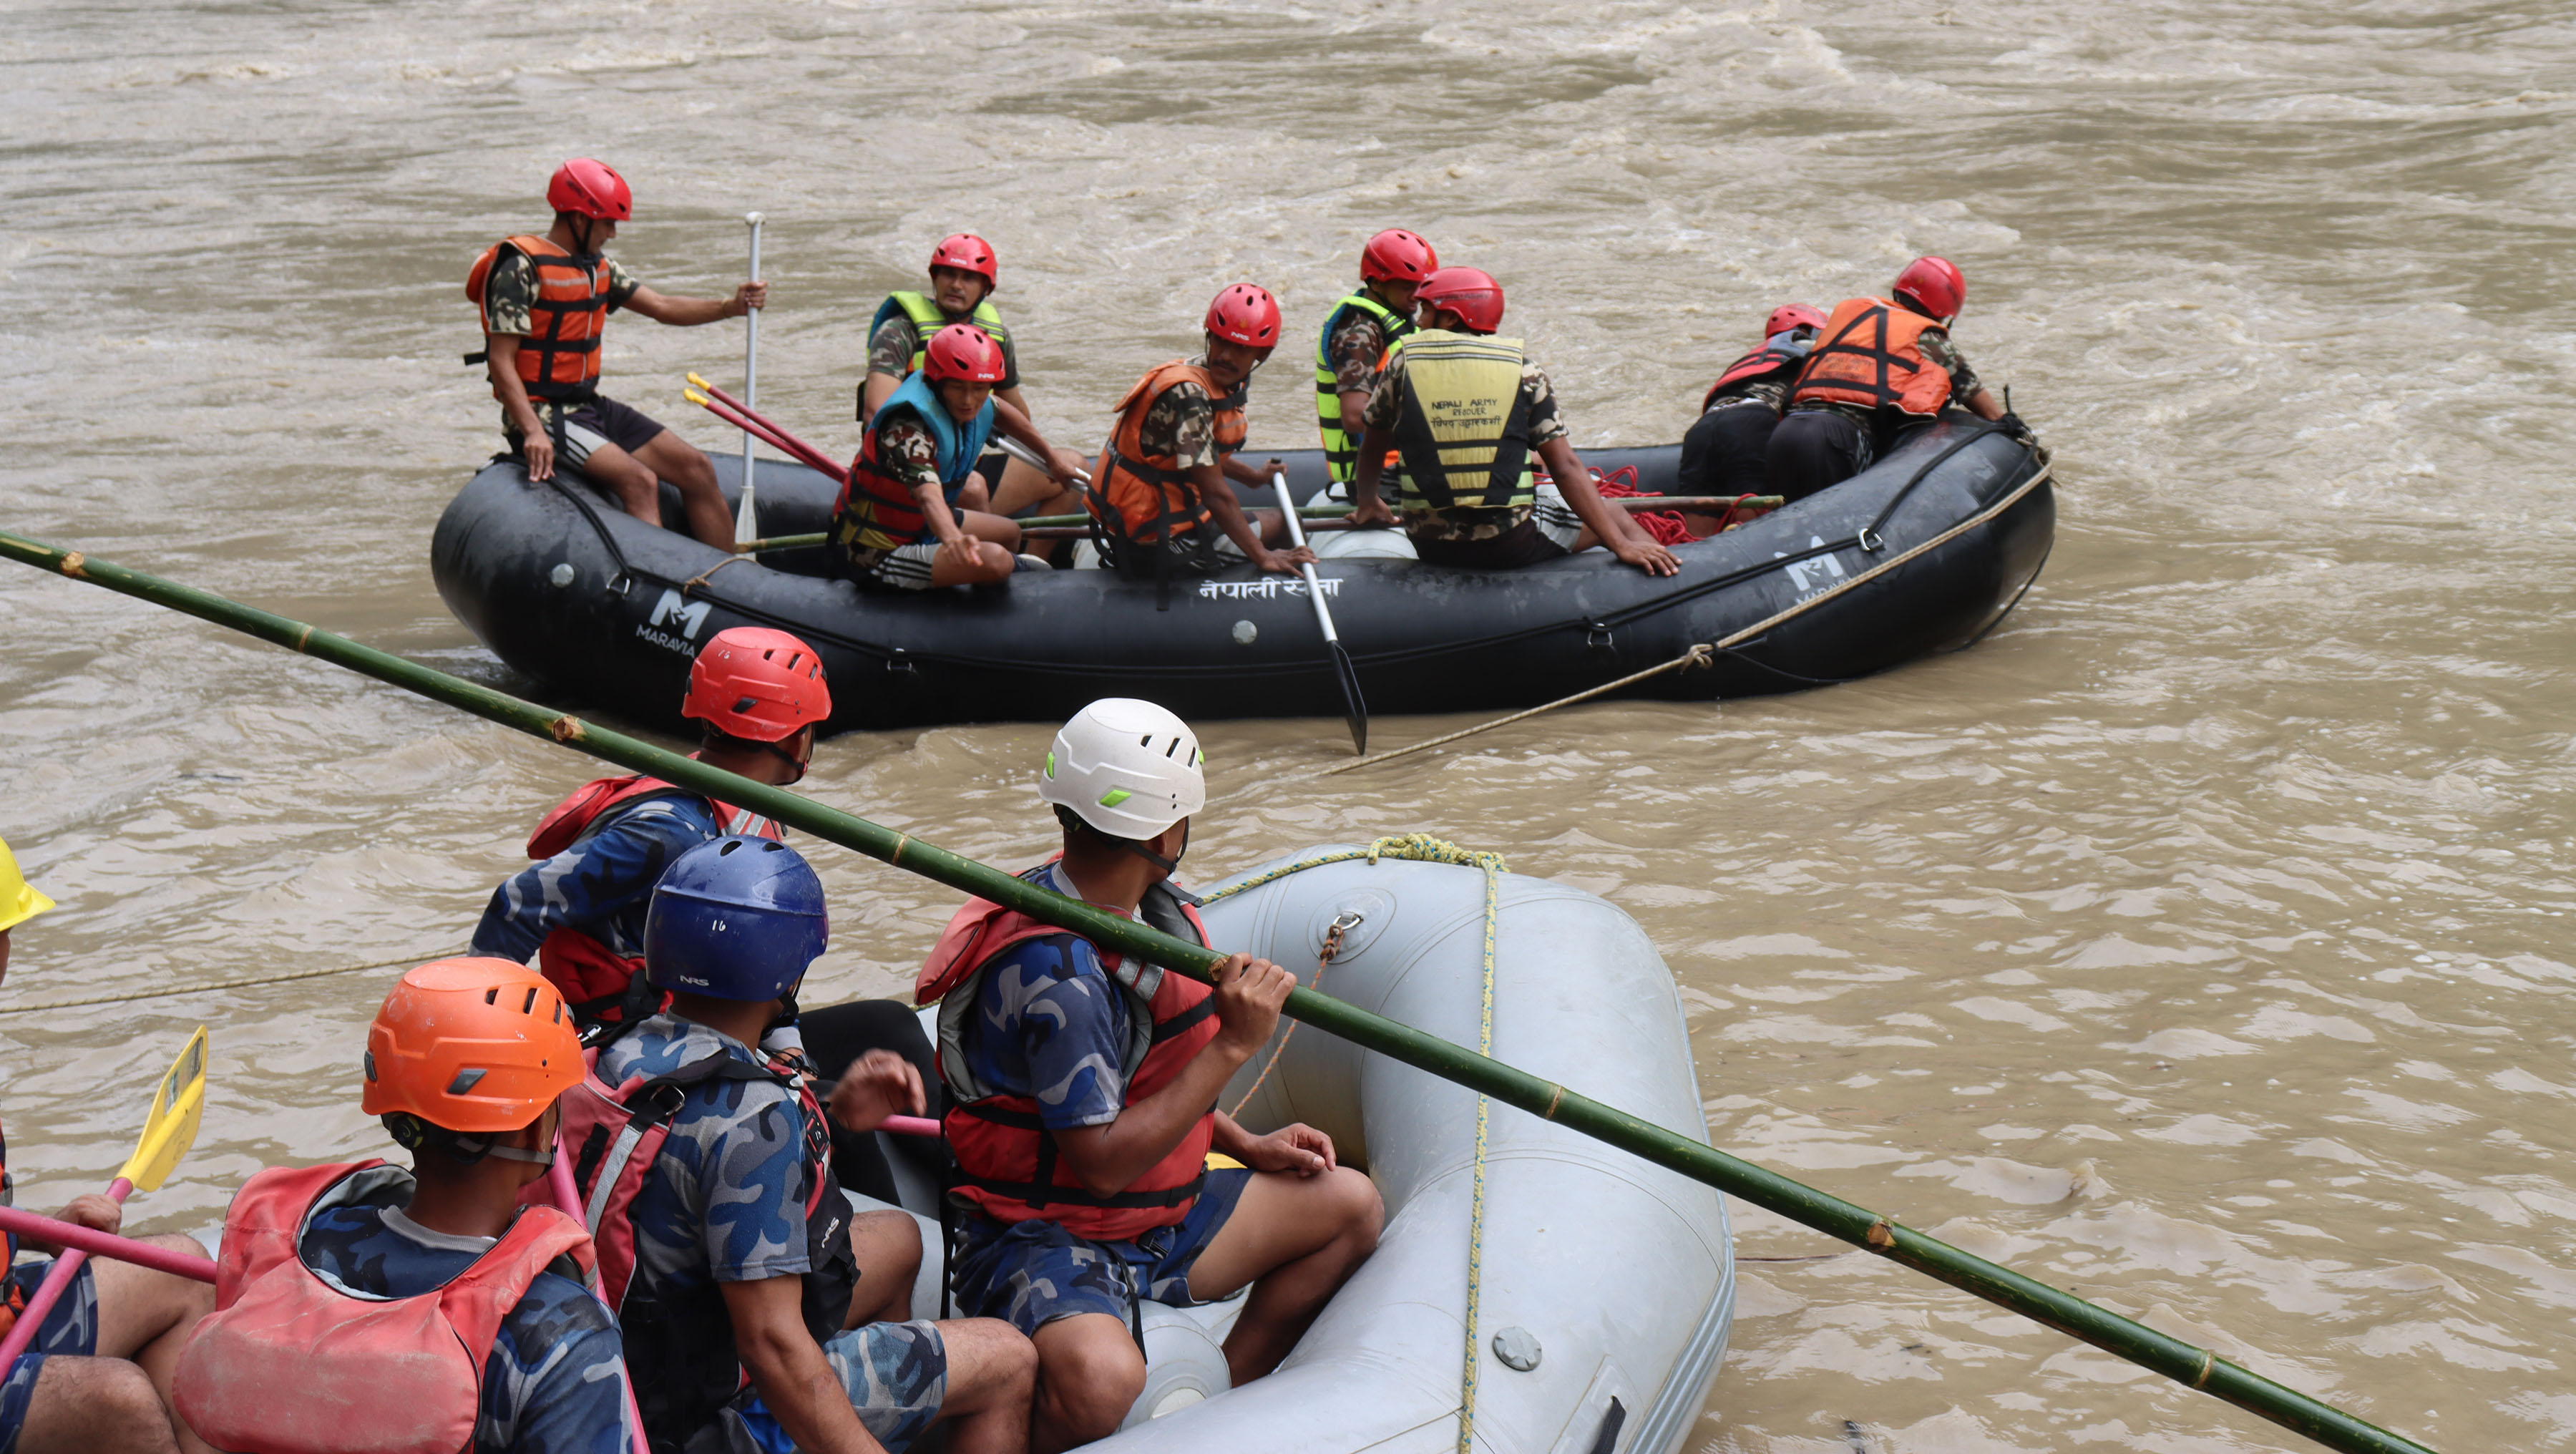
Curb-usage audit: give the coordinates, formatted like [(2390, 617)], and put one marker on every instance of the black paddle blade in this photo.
[(1354, 707)]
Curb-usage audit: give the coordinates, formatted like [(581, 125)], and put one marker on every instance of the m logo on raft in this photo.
[(674, 614)]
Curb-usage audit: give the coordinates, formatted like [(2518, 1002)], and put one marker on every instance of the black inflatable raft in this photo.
[(607, 609)]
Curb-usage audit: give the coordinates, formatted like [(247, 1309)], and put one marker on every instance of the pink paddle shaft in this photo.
[(57, 1280), (910, 1126), (568, 1201), (106, 1244)]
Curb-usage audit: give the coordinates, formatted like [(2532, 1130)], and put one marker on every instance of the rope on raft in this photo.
[(1424, 848), (1700, 654)]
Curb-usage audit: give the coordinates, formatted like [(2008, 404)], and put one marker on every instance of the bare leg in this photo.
[(685, 465), (95, 1406), (147, 1316), (1296, 1240), (633, 484), (995, 528), (887, 1247), (992, 1381), (1089, 1373), (973, 562)]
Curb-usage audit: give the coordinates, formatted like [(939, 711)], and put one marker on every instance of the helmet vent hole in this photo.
[(729, 846), (492, 995), (466, 1080), (369, 1061), (745, 704), (529, 1007)]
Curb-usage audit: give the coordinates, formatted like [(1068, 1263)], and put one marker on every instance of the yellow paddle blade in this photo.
[(176, 1108), (701, 383)]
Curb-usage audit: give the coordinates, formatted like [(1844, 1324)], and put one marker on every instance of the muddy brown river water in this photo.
[(2197, 941)]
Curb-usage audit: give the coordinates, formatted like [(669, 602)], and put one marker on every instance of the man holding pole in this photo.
[(1084, 1087), (97, 1377), (545, 303)]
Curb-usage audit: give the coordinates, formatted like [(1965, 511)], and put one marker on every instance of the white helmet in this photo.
[(1126, 767)]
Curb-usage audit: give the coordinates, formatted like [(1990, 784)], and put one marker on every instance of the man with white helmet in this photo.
[(1083, 1087)]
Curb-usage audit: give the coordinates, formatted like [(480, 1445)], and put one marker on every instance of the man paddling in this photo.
[(545, 302), (1084, 1085), (96, 1380), (963, 276), (407, 1270), (1463, 412)]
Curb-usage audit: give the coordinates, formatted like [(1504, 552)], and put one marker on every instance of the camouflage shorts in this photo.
[(1031, 1273), (71, 1328), (896, 1375)]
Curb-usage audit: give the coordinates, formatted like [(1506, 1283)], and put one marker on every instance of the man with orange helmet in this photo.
[(96, 1378), (545, 302), (1463, 412), (915, 468), (1160, 503), (963, 277), (1880, 370), (1355, 338), (580, 908), (458, 1318), (1726, 450)]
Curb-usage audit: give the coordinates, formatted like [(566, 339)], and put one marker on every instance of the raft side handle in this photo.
[(1870, 540), (1597, 638)]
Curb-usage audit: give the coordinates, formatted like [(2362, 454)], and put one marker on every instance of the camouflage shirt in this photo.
[(1180, 425), (1386, 406), (908, 451), (1356, 351), (510, 292), (1937, 348), (891, 347)]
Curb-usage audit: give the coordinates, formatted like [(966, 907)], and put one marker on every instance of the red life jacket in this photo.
[(1762, 364), (12, 1297), (591, 977), (1147, 497), (288, 1364), (683, 1359), (1868, 355), (559, 359), (1006, 1158)]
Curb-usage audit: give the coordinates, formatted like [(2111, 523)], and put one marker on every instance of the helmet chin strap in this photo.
[(513, 1153), (1170, 865), (787, 757)]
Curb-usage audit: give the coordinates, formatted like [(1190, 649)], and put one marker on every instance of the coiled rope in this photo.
[(1423, 847), (125, 996), (1701, 654)]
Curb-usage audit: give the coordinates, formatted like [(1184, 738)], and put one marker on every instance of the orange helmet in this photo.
[(473, 1046)]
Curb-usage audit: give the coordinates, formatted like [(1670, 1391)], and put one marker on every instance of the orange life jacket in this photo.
[(1006, 1158), (1145, 498), (1762, 363), (592, 978), (288, 1364), (1868, 355), (559, 359)]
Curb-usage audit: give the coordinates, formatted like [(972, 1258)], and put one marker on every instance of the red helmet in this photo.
[(1932, 287), (756, 683), (1471, 293), (1398, 256), (592, 189), (1245, 314), (1791, 315), (968, 253), (964, 352)]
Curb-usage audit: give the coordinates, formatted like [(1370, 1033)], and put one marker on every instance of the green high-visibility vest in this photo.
[(926, 320), (1463, 435), (1341, 446)]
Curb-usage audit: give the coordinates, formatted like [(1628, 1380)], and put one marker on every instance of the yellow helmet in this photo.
[(19, 900)]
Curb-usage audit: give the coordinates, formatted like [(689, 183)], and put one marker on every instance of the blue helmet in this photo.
[(735, 918)]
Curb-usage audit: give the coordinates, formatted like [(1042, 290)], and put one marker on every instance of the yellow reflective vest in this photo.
[(1463, 436), (1342, 446)]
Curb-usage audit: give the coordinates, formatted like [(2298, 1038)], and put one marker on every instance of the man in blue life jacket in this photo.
[(1354, 341), (1085, 1089), (761, 1315), (963, 276), (902, 521), (96, 1379), (465, 1064)]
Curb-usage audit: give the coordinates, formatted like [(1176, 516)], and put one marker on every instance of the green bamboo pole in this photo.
[(2186, 1364)]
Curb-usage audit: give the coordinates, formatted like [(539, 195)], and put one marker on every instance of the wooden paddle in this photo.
[(167, 1134), (1354, 709)]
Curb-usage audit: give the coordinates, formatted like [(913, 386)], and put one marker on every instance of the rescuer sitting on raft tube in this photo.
[(457, 1316), (1161, 481), (1879, 371), (963, 276), (96, 1380), (1463, 411), (749, 1294), (1083, 1086), (1727, 449), (918, 460), (545, 302), (1354, 341)]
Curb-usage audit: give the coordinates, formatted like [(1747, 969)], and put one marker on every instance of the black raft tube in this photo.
[(2194, 1367)]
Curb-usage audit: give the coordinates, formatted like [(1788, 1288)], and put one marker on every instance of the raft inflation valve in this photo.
[(1518, 1348), (562, 575), (1245, 633)]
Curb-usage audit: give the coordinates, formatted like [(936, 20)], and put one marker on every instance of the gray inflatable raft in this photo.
[(1604, 1287)]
